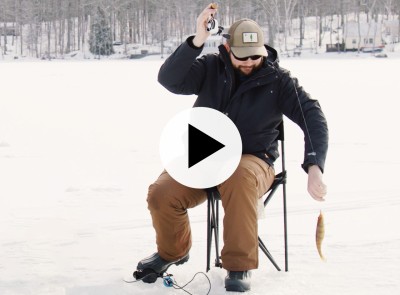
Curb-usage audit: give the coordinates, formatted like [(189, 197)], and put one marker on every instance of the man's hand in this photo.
[(201, 26), (316, 187)]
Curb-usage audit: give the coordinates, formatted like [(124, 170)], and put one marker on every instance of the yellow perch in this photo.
[(320, 233)]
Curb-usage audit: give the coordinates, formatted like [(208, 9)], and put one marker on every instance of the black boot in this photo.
[(152, 267), (238, 281)]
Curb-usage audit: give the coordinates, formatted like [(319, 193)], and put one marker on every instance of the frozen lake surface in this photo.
[(79, 147)]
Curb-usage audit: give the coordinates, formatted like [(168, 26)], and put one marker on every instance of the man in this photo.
[(245, 82)]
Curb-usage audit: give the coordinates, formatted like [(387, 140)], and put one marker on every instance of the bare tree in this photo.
[(271, 9), (45, 28)]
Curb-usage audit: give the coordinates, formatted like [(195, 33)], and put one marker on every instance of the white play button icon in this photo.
[(200, 147)]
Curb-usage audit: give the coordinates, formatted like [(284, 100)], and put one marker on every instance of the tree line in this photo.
[(58, 27)]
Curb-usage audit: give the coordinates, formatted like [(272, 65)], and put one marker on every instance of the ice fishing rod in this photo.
[(212, 23)]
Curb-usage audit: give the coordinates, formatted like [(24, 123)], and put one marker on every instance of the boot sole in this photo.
[(179, 262), (236, 288), (183, 260)]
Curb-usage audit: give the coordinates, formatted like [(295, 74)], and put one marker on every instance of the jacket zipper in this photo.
[(252, 79), (231, 84), (229, 92)]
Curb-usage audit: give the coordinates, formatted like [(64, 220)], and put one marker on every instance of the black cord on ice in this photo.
[(169, 282), (176, 286)]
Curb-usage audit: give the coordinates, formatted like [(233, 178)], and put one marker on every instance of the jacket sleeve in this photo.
[(298, 106), (182, 72)]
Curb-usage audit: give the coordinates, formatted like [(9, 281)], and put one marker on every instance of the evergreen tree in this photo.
[(100, 42)]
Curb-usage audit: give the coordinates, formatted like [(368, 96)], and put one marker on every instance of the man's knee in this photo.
[(163, 195), (154, 197)]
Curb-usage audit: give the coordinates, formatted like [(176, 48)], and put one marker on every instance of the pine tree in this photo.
[(100, 42)]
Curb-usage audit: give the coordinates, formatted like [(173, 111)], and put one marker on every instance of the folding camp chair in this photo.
[(213, 212)]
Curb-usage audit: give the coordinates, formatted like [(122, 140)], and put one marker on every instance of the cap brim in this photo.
[(249, 51)]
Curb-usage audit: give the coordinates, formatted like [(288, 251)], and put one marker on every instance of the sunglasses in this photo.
[(253, 57)]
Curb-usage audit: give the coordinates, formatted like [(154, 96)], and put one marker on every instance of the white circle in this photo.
[(213, 169)]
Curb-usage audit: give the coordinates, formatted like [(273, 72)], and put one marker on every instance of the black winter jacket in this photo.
[(256, 106)]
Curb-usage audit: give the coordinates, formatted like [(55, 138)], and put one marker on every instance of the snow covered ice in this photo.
[(79, 147)]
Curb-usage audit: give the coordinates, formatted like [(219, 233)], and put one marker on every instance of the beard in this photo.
[(247, 70)]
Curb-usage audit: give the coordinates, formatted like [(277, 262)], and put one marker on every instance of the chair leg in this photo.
[(285, 227), (209, 233), (215, 222), (266, 252), (212, 228), (280, 179)]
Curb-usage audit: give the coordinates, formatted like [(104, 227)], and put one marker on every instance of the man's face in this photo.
[(247, 66)]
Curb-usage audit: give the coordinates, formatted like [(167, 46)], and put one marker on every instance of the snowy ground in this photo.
[(79, 147)]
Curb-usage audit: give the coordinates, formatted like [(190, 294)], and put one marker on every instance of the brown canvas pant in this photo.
[(169, 200)]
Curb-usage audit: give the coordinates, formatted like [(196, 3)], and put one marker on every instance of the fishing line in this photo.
[(141, 279), (313, 153)]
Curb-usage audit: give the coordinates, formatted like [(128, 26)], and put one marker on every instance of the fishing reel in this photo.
[(213, 28)]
